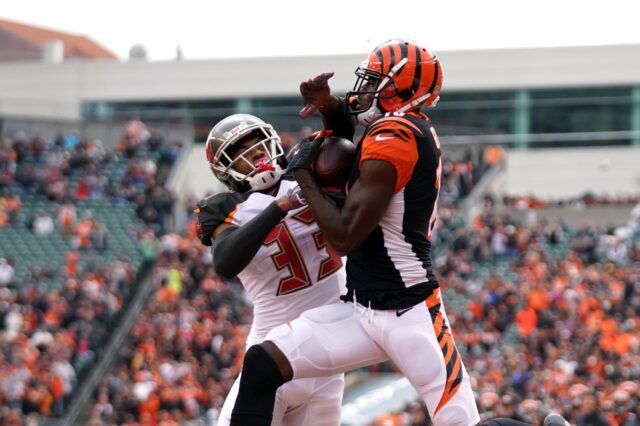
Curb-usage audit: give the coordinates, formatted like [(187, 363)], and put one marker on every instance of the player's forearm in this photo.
[(234, 249), (333, 222), (335, 117)]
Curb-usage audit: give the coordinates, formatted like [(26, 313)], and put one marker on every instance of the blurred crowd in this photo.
[(545, 316), (69, 169), (555, 326), (185, 349), (51, 336)]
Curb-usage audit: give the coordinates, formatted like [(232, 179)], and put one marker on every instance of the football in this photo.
[(334, 161)]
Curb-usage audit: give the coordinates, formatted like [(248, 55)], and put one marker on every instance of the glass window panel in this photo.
[(469, 113), (580, 110)]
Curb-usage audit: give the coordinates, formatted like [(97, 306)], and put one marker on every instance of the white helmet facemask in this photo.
[(265, 173)]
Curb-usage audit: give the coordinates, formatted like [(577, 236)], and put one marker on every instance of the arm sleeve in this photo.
[(340, 121), (235, 247)]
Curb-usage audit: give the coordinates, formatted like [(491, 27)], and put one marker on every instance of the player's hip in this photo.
[(384, 296)]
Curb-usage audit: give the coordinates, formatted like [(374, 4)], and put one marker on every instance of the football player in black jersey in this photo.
[(393, 308)]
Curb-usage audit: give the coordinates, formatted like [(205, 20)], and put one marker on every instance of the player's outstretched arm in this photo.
[(234, 247), (339, 120), (345, 228)]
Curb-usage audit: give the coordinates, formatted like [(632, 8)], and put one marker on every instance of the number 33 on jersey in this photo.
[(294, 269)]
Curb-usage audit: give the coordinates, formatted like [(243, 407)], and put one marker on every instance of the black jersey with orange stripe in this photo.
[(215, 210), (392, 267)]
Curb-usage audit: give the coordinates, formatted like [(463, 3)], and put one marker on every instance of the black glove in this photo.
[(303, 155)]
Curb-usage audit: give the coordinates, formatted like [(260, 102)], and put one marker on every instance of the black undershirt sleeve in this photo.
[(340, 121), (235, 247)]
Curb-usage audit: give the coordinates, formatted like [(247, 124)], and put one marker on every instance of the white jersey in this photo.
[(294, 270)]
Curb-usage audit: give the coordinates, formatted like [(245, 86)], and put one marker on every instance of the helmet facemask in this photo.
[(264, 174), (363, 99), (375, 84)]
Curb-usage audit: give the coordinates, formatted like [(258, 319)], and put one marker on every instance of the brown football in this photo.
[(334, 161)]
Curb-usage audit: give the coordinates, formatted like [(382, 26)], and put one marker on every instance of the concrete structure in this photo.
[(59, 90), (517, 97), (566, 172)]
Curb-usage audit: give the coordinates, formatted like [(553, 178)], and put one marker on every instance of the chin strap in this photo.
[(397, 67), (266, 179), (365, 118)]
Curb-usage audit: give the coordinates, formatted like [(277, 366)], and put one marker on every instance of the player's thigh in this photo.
[(322, 406), (421, 344), (224, 418), (325, 341)]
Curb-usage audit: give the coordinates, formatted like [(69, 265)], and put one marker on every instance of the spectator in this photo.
[(8, 159), (43, 224), (6, 272), (66, 218), (590, 412)]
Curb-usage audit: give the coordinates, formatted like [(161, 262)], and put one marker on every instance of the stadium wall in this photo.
[(565, 172), (58, 90)]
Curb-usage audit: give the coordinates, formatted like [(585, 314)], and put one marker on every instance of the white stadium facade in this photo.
[(535, 102)]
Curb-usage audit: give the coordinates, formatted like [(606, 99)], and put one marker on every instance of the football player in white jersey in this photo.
[(264, 234)]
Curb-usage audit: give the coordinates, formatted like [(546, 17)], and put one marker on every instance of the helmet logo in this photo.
[(236, 130)]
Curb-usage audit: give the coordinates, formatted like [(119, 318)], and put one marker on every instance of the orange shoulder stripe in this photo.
[(394, 144), (229, 217), (395, 119)]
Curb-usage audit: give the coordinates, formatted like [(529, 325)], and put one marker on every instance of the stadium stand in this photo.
[(78, 226), (186, 348), (565, 301), (533, 291)]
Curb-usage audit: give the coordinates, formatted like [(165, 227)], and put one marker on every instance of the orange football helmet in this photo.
[(398, 76)]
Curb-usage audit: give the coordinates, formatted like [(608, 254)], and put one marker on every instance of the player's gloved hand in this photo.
[(292, 200), (315, 93), (305, 152)]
